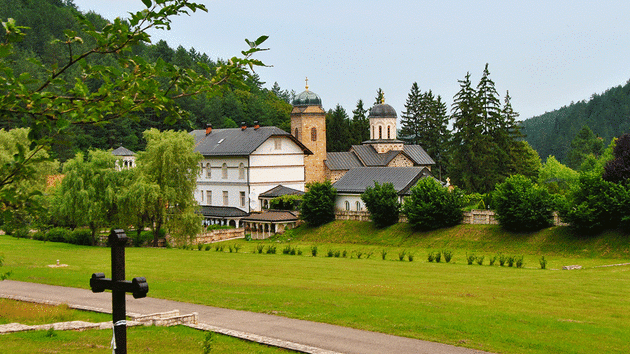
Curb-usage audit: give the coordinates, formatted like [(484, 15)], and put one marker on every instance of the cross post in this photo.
[(119, 286)]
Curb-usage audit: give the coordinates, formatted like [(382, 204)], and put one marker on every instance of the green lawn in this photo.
[(179, 339), (498, 309)]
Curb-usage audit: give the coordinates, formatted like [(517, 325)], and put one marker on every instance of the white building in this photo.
[(239, 164)]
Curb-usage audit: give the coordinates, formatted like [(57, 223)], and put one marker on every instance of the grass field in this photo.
[(155, 340), (498, 309)]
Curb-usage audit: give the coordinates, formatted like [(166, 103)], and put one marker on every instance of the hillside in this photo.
[(607, 115), (46, 20)]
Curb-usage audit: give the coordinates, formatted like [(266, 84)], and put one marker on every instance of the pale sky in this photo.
[(546, 53)]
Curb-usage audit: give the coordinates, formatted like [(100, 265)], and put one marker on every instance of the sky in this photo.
[(547, 54)]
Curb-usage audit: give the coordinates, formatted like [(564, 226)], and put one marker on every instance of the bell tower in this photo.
[(308, 125)]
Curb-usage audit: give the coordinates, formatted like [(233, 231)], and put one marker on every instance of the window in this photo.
[(296, 134), (241, 171), (224, 171), (313, 134), (208, 197), (380, 132), (388, 135), (277, 143), (242, 199), (358, 206), (225, 198), (347, 205), (373, 136), (208, 170), (202, 196)]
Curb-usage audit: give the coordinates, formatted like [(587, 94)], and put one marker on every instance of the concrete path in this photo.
[(305, 336)]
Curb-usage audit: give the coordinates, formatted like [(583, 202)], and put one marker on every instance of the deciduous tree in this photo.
[(318, 203), (382, 203)]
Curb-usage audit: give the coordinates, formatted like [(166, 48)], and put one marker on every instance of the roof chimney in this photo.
[(243, 126), (208, 129), (256, 125)]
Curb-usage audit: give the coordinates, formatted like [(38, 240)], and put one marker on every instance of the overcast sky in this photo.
[(545, 53)]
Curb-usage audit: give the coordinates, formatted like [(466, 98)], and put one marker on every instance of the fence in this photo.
[(473, 217)]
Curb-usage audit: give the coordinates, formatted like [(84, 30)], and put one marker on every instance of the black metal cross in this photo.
[(119, 286)]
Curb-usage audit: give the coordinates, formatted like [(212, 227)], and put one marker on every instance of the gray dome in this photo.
[(307, 98), (382, 110)]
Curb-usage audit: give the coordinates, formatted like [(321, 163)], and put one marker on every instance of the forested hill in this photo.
[(47, 19), (607, 115)]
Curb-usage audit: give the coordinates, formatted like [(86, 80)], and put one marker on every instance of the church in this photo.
[(243, 168)]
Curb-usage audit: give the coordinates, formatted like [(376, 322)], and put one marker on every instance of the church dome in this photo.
[(382, 110), (307, 98)]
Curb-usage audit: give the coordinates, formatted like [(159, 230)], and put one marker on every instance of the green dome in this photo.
[(307, 98)]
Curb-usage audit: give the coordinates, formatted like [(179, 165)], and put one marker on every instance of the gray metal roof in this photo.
[(417, 154), (222, 211), (358, 179), (237, 141), (368, 155), (279, 191), (123, 151), (273, 216), (344, 160)]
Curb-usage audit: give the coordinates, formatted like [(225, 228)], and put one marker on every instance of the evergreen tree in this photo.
[(338, 130), (584, 143), (411, 125), (360, 125), (469, 153), (437, 134)]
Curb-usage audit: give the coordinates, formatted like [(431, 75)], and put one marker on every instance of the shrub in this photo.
[(543, 262), (502, 260), (314, 251), (595, 205), (237, 247), (519, 262), (286, 202), (470, 258), (39, 236), (479, 260), (81, 237), (430, 257), (438, 257), (492, 260), (510, 261), (410, 257), (287, 249), (318, 203), (145, 237), (448, 255), (23, 232), (382, 203), (401, 255), (522, 205), (271, 249), (432, 206), (207, 248), (260, 247), (383, 253), (359, 254), (344, 254), (57, 234), (337, 254)]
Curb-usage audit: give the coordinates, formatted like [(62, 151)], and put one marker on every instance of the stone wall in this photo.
[(220, 235), (473, 217)]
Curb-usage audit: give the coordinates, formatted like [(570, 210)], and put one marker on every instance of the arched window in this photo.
[(373, 136), (296, 134), (241, 171), (224, 171), (313, 134), (388, 133), (347, 205), (358, 206), (380, 132), (208, 170)]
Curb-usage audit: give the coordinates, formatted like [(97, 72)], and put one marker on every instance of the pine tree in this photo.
[(468, 146), (360, 125), (438, 134), (411, 125), (338, 130)]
